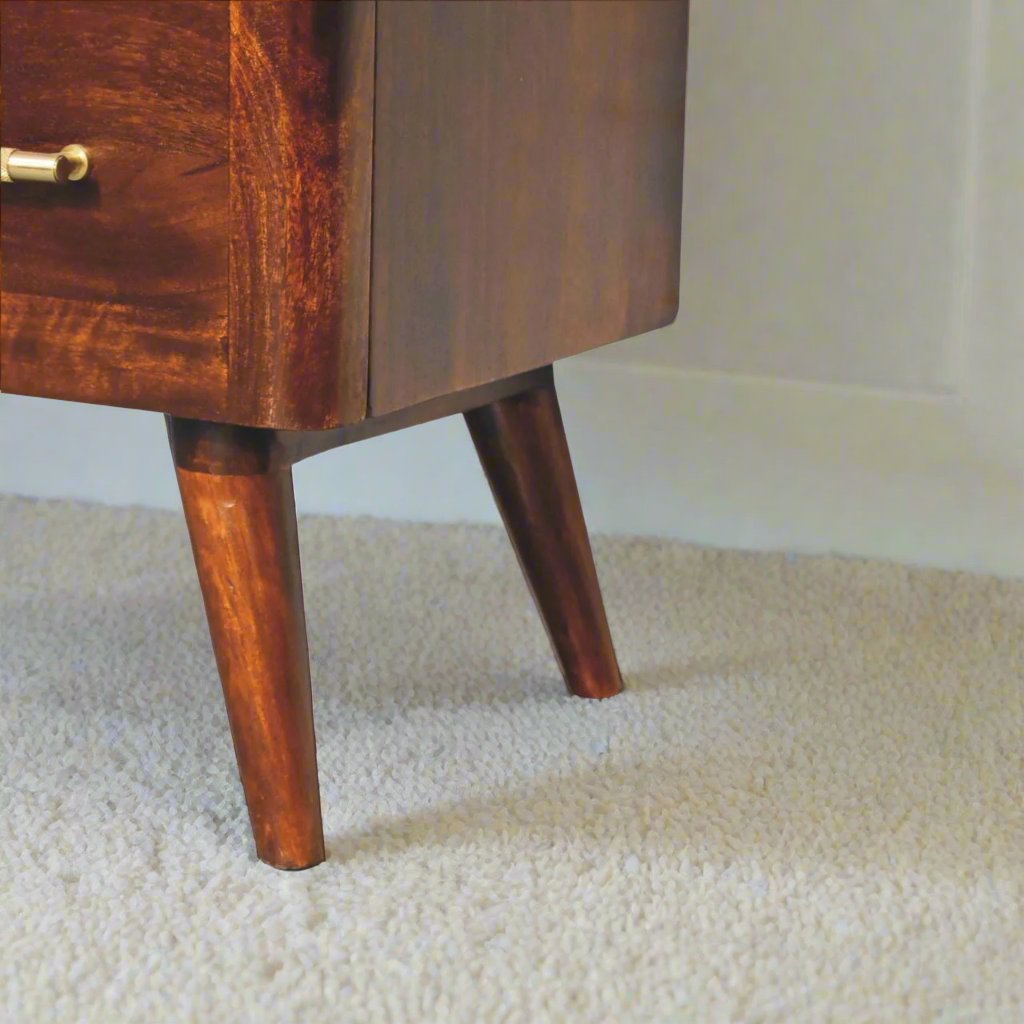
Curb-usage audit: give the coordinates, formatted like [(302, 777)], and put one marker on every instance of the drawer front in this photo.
[(115, 289)]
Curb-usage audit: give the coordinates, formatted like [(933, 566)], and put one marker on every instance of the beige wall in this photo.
[(828, 153), (847, 370)]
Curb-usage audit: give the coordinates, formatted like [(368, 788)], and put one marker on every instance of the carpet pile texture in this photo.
[(808, 806)]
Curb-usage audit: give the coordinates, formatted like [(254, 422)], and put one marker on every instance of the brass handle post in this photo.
[(70, 164)]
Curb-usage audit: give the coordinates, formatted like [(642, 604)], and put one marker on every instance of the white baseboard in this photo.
[(756, 463), (715, 459)]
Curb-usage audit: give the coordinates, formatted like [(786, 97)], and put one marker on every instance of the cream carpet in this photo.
[(808, 806)]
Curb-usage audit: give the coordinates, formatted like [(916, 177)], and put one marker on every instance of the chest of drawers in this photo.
[(305, 223)]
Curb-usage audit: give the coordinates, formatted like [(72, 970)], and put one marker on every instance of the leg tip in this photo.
[(596, 689), (297, 854), (292, 862)]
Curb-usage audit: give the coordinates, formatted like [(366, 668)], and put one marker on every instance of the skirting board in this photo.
[(714, 459), (750, 462)]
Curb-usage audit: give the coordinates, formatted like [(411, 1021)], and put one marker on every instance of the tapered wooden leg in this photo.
[(522, 447), (240, 511)]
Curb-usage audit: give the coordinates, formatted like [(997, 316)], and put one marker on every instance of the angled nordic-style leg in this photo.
[(522, 447), (238, 502), (236, 489)]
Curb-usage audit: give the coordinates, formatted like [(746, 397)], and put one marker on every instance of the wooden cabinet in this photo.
[(302, 214), (306, 223)]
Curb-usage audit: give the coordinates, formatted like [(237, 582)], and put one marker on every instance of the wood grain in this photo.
[(149, 75), (301, 150), (115, 289), (246, 548), (522, 448), (136, 356), (222, 448), (527, 186)]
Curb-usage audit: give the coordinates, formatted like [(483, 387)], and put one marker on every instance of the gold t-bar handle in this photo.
[(70, 164)]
